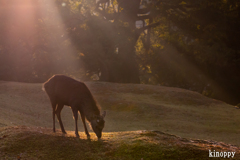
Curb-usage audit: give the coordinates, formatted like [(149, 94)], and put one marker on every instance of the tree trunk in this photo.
[(121, 71), (129, 69)]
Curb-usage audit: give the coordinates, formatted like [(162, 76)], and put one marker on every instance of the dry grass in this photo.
[(35, 143), (129, 107)]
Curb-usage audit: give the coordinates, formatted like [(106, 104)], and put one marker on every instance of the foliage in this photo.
[(205, 57), (187, 44)]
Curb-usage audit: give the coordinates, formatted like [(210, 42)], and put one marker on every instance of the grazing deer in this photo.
[(63, 90)]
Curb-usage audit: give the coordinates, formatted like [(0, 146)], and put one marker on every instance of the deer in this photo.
[(63, 90)]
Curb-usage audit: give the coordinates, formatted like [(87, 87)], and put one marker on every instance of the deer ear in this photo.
[(104, 114)]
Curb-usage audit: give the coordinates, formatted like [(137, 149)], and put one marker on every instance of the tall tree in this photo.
[(112, 24), (206, 34)]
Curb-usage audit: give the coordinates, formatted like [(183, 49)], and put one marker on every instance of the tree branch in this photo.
[(140, 30), (106, 15), (143, 17), (148, 26), (144, 10)]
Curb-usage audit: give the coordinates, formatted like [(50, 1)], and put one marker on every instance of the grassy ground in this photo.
[(33, 143), (130, 107)]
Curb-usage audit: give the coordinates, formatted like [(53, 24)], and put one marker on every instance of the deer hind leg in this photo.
[(58, 113), (85, 127), (54, 105)]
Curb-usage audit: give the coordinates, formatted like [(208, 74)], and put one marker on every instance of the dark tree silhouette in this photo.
[(123, 15)]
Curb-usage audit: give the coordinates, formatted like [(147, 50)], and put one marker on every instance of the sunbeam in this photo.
[(36, 40)]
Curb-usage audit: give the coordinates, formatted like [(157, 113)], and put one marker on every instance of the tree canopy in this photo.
[(187, 44)]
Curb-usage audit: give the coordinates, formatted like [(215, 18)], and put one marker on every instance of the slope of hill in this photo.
[(129, 107), (33, 143)]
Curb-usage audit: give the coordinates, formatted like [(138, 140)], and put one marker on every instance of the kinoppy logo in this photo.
[(221, 154)]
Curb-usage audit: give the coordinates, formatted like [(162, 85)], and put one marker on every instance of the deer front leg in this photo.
[(75, 114), (85, 127)]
